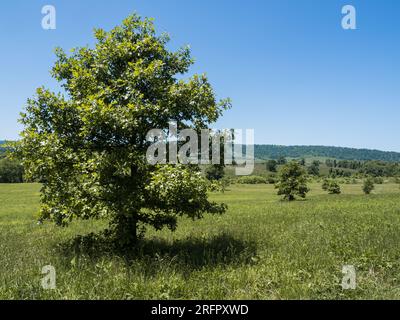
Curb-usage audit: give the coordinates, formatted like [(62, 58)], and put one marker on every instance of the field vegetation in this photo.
[(262, 248)]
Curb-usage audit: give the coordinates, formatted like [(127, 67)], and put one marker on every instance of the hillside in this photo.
[(275, 151)]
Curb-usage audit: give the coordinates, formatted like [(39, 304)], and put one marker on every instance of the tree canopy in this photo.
[(89, 144)]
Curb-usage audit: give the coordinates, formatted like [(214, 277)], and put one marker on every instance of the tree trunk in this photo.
[(126, 230)]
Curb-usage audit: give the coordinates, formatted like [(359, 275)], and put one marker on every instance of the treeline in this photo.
[(275, 152), (372, 168), (11, 171)]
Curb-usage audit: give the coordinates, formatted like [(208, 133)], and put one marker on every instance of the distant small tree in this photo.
[(331, 186), (272, 165), (215, 172), (313, 169), (271, 179), (329, 163), (325, 184), (282, 160), (292, 181), (368, 185), (302, 161), (379, 180)]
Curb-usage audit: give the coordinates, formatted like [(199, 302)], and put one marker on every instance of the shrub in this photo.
[(368, 185), (215, 172), (347, 181), (332, 186), (378, 180), (252, 180), (271, 165), (325, 184), (271, 179)]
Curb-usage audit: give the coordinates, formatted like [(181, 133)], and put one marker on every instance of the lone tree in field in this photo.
[(368, 185), (89, 146), (292, 181), (331, 186)]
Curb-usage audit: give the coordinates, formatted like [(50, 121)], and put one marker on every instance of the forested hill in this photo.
[(275, 151)]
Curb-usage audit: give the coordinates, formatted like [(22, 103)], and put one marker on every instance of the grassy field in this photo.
[(262, 248)]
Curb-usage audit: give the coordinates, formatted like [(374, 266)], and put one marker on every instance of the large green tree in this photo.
[(332, 186), (88, 146)]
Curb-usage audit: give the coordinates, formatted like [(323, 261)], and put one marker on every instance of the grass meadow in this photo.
[(262, 248)]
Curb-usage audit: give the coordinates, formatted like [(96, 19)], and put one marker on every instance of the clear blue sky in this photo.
[(293, 73)]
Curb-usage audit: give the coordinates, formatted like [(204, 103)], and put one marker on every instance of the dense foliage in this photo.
[(272, 165), (373, 168), (215, 172), (331, 186), (252, 180), (89, 147), (368, 185)]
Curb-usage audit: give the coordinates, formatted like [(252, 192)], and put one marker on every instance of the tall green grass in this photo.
[(262, 248)]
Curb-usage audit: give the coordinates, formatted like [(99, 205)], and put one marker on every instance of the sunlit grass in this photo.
[(262, 248)]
